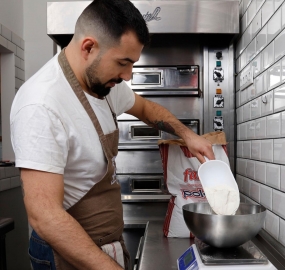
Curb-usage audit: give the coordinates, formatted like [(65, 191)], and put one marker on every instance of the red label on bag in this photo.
[(190, 175)]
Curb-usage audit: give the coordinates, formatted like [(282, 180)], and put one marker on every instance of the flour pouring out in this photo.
[(223, 199)]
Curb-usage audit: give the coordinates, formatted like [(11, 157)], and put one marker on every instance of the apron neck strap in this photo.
[(71, 78)]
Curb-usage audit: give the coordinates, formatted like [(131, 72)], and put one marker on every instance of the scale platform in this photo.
[(202, 256)]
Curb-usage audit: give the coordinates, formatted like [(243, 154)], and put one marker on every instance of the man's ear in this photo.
[(89, 46)]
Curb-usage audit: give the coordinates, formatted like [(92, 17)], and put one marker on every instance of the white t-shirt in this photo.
[(51, 131)]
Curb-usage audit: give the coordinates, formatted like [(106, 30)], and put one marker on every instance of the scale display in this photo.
[(188, 260)]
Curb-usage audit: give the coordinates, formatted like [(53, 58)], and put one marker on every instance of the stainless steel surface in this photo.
[(144, 211), (160, 252), (274, 250), (161, 16), (133, 237), (146, 198), (139, 162), (248, 253), (172, 50), (224, 231)]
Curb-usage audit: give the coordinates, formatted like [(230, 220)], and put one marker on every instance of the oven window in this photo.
[(145, 132), (148, 184), (146, 78)]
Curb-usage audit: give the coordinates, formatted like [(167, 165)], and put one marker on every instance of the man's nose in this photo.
[(127, 74)]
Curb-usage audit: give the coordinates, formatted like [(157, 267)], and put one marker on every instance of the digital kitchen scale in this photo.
[(202, 256)]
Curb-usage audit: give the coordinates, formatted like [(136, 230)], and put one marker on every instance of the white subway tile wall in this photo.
[(272, 224), (250, 169), (260, 128), (282, 178), (260, 171), (246, 149), (279, 150), (256, 149), (254, 191), (267, 150), (281, 237), (266, 196), (273, 175), (15, 44), (260, 110), (273, 125), (10, 176), (283, 124), (278, 203)]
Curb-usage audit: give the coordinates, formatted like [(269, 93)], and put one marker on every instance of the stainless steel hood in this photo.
[(193, 16)]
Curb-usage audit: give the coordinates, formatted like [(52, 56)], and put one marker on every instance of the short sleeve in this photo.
[(122, 98), (39, 139)]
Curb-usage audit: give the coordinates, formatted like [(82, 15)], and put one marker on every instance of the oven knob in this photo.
[(219, 75), (219, 55)]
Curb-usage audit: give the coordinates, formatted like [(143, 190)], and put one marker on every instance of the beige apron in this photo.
[(100, 210)]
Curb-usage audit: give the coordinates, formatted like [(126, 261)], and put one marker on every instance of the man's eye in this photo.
[(122, 64)]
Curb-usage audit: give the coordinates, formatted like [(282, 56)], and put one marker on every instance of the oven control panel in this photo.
[(219, 93)]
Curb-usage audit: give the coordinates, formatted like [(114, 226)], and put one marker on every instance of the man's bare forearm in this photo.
[(43, 201), (68, 238), (160, 118)]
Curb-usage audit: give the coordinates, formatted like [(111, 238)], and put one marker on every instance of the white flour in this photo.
[(223, 199)]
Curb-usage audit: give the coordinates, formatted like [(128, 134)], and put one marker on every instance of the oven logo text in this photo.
[(198, 193), (152, 16), (190, 175)]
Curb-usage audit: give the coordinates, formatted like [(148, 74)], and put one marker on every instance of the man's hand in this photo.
[(199, 146)]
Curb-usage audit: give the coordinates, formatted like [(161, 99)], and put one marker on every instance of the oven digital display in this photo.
[(145, 132), (153, 78)]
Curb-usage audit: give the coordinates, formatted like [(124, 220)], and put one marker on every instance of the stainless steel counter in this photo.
[(160, 252)]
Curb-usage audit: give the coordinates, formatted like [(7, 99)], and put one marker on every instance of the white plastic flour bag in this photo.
[(181, 178)]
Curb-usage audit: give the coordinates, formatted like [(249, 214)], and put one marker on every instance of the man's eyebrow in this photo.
[(129, 60)]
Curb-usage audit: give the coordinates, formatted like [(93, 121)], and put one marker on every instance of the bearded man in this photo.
[(65, 138)]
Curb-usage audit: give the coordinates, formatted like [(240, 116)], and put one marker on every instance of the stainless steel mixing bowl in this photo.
[(224, 231)]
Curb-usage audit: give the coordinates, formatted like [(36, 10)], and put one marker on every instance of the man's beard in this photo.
[(95, 85)]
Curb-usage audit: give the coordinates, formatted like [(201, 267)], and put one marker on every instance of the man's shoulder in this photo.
[(44, 83), (47, 88)]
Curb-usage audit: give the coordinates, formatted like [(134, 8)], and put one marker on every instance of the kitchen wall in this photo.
[(12, 64), (260, 103), (39, 47), (12, 76)]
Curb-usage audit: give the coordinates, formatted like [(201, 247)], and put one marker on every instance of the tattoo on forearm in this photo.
[(160, 125), (22, 184)]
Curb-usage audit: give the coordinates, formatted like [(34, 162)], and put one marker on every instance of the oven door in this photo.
[(169, 81), (138, 135)]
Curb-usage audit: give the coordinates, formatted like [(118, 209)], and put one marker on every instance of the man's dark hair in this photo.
[(108, 20)]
